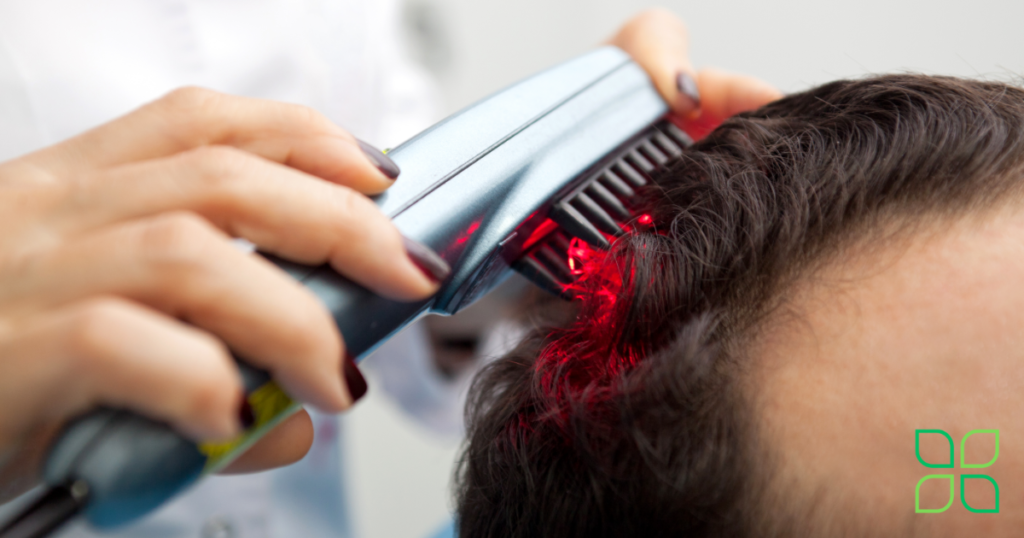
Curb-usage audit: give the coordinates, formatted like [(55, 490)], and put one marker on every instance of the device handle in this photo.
[(132, 464)]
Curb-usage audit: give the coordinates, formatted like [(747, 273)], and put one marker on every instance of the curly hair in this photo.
[(630, 418)]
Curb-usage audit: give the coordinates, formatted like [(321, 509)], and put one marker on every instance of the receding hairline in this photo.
[(865, 252)]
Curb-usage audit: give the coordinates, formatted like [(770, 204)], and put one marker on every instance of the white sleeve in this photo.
[(377, 92), (409, 98)]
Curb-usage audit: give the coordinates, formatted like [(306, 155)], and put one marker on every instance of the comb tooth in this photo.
[(535, 272), (655, 154), (625, 170), (666, 144), (640, 161), (559, 265), (612, 180), (589, 208), (676, 134), (603, 196), (574, 223)]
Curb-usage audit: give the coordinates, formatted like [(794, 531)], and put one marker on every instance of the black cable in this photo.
[(48, 513)]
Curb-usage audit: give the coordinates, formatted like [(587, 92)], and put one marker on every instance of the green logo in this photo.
[(950, 477)]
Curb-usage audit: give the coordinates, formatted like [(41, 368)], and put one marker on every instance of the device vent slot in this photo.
[(665, 144), (640, 162), (535, 271), (675, 133), (574, 223), (599, 209), (554, 262), (626, 171), (614, 183), (653, 154), (593, 212), (600, 194)]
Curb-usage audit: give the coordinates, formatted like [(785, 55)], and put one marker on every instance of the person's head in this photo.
[(824, 277)]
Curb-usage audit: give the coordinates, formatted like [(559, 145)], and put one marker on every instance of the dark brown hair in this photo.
[(627, 419)]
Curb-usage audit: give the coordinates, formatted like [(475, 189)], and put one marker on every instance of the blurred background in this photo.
[(399, 472), (475, 47)]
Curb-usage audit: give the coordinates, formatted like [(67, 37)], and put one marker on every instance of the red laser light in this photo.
[(473, 227), (539, 233), (582, 361)]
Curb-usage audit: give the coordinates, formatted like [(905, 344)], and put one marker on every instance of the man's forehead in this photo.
[(925, 331)]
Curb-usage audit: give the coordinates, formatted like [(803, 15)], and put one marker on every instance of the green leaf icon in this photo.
[(917, 451), (917, 495), (963, 495), (965, 465)]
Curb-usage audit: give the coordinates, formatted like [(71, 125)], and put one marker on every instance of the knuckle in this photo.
[(217, 164), (212, 387), (351, 207), (189, 100), (179, 240), (309, 330), (309, 116), (212, 351), (95, 326), (210, 395), (358, 223), (190, 112), (344, 202)]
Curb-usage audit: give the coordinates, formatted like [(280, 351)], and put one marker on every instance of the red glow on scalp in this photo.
[(595, 278), (582, 365), (581, 362)]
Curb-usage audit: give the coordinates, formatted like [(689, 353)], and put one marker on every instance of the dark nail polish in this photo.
[(245, 414), (380, 160), (354, 379), (688, 87), (427, 260)]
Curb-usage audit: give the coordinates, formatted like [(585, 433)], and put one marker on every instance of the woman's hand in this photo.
[(659, 42), (120, 284)]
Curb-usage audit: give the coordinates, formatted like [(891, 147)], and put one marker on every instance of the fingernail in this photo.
[(427, 260), (354, 379), (245, 414), (688, 88), (380, 160)]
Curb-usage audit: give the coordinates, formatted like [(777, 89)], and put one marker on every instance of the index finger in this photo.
[(659, 41), (189, 118)]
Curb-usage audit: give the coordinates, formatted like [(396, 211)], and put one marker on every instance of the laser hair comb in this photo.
[(503, 185)]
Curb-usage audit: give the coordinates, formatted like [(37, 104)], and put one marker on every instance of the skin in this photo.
[(120, 284), (659, 41), (921, 331)]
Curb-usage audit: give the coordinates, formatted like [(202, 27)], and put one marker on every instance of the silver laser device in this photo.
[(503, 185)]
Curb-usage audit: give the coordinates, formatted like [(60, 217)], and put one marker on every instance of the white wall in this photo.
[(476, 47), (790, 43)]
